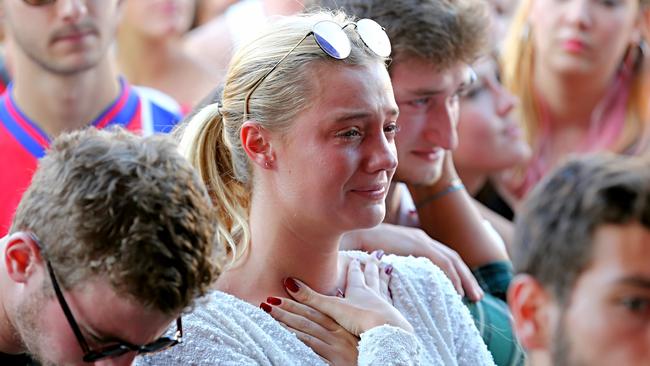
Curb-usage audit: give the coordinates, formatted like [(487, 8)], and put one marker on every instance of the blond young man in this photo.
[(110, 244)]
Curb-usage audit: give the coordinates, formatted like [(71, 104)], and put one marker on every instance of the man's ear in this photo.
[(531, 305), (642, 26), (22, 256), (257, 144)]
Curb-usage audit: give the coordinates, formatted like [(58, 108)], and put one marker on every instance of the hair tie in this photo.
[(219, 106)]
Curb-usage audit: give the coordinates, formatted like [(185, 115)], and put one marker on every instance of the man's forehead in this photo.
[(419, 76), (619, 256), (108, 314)]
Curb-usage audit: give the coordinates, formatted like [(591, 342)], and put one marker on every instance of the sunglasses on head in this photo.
[(333, 40), (113, 350)]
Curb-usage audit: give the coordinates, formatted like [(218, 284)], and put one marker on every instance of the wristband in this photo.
[(454, 185)]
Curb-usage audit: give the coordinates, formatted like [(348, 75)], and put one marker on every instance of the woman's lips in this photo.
[(374, 192), (430, 155), (512, 131), (574, 45)]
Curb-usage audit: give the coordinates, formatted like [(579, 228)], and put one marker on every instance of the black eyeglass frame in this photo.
[(260, 80), (114, 350), (38, 3)]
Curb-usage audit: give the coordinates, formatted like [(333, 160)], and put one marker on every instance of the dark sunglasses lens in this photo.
[(374, 36), (38, 2), (332, 39), (158, 345), (108, 352)]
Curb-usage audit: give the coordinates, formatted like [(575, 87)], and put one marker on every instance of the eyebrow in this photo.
[(426, 92), (351, 115), (103, 338), (636, 281), (465, 85)]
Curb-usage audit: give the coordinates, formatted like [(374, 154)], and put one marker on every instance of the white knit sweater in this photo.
[(224, 330)]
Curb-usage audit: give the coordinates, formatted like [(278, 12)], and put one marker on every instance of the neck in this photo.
[(59, 103), (282, 247), (472, 180), (539, 358), (9, 340), (570, 99), (393, 201), (144, 61)]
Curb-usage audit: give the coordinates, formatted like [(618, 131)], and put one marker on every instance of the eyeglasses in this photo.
[(113, 350), (333, 40), (38, 2)]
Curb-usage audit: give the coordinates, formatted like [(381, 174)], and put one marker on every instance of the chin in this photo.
[(418, 173), (423, 177), (368, 218)]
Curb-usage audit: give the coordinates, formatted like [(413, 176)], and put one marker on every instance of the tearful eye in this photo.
[(349, 134), (636, 304), (609, 3), (472, 92), (392, 128), (419, 102)]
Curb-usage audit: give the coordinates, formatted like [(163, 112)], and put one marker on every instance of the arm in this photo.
[(386, 337), (388, 345), (503, 226), (428, 299), (224, 330), (382, 345), (202, 346), (405, 241), (453, 219)]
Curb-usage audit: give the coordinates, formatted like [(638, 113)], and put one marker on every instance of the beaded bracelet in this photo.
[(454, 185)]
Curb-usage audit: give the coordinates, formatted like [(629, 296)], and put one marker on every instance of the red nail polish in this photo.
[(389, 269), (291, 284), (273, 300), (379, 254), (266, 307)]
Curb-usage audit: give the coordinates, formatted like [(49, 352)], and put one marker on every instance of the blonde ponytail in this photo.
[(202, 143)]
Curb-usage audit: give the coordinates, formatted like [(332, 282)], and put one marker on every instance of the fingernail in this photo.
[(379, 254), (273, 300), (339, 293), (389, 269), (266, 307), (291, 284)]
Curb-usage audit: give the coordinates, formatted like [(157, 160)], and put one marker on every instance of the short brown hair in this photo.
[(443, 32), (130, 209), (554, 232)]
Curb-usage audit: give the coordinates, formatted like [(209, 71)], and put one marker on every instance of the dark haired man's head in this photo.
[(433, 43), (582, 242)]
